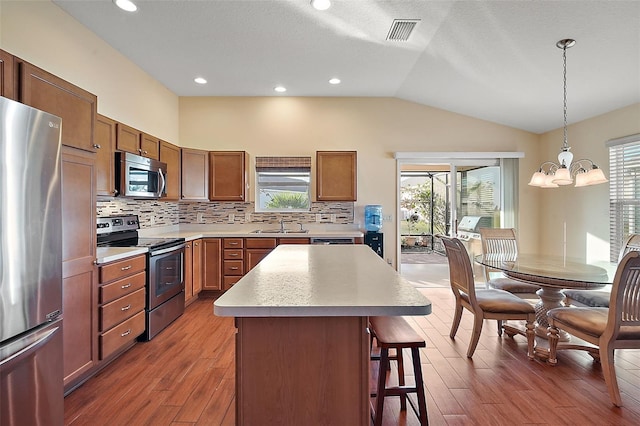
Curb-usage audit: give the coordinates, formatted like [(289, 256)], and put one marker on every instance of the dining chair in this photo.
[(503, 242), (600, 298), (484, 303), (615, 327)]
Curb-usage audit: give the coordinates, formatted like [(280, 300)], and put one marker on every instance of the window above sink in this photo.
[(283, 184)]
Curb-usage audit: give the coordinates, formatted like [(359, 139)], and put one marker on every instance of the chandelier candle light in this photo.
[(551, 174)]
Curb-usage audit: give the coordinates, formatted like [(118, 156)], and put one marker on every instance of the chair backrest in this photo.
[(624, 305), (460, 269), (498, 241), (631, 244)]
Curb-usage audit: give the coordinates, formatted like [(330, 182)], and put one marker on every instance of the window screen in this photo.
[(624, 191), (283, 184)]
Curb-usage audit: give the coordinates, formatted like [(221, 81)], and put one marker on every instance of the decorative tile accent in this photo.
[(150, 212)]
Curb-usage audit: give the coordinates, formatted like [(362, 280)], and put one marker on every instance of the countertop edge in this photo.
[(320, 311)]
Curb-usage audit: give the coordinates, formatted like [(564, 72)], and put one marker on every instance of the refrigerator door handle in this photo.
[(16, 357)]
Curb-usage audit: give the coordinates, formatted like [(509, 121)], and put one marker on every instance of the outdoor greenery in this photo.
[(417, 200), (288, 200)]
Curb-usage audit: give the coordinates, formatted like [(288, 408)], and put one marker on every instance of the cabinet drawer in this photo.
[(122, 268), (260, 243), (232, 243), (122, 287), (121, 335), (121, 309), (229, 281), (231, 254), (233, 267), (294, 241)]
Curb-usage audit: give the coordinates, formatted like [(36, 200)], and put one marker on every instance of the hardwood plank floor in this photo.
[(185, 376)]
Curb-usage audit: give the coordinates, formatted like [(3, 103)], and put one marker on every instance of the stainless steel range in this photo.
[(165, 269)]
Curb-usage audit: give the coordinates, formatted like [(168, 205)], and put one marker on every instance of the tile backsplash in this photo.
[(153, 213)]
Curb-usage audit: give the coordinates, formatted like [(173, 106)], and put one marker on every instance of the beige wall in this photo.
[(43, 34), (583, 212)]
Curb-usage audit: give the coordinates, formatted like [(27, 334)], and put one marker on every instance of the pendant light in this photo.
[(551, 174)]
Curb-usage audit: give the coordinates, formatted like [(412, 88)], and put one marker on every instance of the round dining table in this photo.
[(552, 274)]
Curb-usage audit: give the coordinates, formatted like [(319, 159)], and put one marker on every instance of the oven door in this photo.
[(166, 275)]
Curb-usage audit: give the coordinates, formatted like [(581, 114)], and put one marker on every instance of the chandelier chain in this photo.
[(564, 82)]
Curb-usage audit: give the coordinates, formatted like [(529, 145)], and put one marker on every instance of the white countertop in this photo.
[(319, 280), (110, 254)]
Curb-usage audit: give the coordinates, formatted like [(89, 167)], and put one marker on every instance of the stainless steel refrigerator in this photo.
[(31, 382)]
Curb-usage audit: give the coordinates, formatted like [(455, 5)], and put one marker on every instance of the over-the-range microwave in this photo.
[(140, 177)]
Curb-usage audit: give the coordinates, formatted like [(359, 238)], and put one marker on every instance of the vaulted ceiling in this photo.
[(494, 60)]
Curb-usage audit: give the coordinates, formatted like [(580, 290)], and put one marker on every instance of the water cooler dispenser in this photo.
[(373, 226)]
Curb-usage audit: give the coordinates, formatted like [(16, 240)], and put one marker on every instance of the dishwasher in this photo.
[(332, 240)]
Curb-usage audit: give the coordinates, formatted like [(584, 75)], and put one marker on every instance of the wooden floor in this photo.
[(185, 376)]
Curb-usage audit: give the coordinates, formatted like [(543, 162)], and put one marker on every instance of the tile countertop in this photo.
[(319, 280)]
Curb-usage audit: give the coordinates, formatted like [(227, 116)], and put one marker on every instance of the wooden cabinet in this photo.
[(79, 274), (294, 241), (257, 249), (75, 106), (149, 146), (192, 270), (7, 75), (228, 180), (336, 176), (232, 261), (195, 172), (105, 143), (122, 302), (128, 139), (170, 155), (211, 264)]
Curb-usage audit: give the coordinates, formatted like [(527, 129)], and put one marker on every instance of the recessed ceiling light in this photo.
[(321, 4), (280, 89), (200, 80), (334, 81), (127, 5)]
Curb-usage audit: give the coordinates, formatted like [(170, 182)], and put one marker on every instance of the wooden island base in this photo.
[(302, 370)]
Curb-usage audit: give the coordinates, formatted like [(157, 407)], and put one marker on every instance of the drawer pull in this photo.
[(125, 286), (234, 268), (126, 308), (195, 244), (233, 243), (126, 333), (125, 268), (234, 254)]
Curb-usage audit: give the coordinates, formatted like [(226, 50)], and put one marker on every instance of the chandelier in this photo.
[(551, 174)]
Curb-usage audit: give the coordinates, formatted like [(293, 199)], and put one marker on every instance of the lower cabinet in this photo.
[(122, 296), (211, 264), (192, 270), (256, 250), (232, 261)]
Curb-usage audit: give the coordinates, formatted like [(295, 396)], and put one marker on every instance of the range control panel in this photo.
[(110, 224)]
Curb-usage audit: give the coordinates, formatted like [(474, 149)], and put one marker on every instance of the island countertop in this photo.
[(321, 280)]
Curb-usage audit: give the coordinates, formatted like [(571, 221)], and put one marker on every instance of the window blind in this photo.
[(624, 191)]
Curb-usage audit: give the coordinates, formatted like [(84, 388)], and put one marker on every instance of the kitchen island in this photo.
[(302, 343)]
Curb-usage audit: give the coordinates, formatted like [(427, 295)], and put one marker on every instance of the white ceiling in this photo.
[(494, 60)]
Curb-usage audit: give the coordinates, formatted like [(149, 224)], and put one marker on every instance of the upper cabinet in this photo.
[(149, 146), (195, 172), (105, 142), (228, 175), (136, 142), (336, 175), (7, 75), (75, 106), (170, 155)]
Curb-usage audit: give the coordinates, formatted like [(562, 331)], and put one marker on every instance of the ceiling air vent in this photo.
[(401, 29)]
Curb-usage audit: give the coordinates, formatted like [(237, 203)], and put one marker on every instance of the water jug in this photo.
[(373, 218)]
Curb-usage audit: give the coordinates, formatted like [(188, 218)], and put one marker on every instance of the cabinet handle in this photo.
[(195, 244), (234, 268), (126, 308), (233, 254), (126, 333), (125, 268), (233, 243), (97, 146), (125, 286), (115, 192), (140, 150), (188, 245), (145, 152)]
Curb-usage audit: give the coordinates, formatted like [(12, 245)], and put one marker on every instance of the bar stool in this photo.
[(396, 333)]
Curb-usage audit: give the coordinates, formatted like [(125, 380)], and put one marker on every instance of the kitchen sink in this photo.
[(280, 231)]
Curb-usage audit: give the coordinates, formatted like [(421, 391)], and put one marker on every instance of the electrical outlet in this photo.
[(333, 218), (232, 217), (153, 220), (386, 218), (247, 217), (318, 218), (200, 218)]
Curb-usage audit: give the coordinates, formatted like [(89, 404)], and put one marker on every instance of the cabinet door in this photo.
[(75, 106), (195, 172), (197, 266), (336, 176), (149, 146), (127, 139), (7, 75), (188, 272), (170, 154), (105, 143), (228, 175), (253, 256), (79, 274), (212, 264)]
